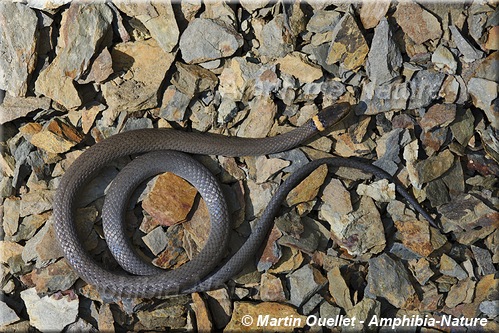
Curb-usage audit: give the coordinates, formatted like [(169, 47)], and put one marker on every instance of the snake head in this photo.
[(331, 115)]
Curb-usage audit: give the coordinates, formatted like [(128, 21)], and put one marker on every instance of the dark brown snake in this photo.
[(208, 270)]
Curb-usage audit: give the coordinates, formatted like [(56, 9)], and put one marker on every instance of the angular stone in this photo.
[(348, 45), (363, 312), (56, 137), (419, 24), (36, 202), (199, 46), (275, 40), (264, 168), (387, 97), (19, 49), (159, 319), (58, 276), (303, 283), (174, 105), (144, 65), (424, 85), (492, 42), (203, 322), (380, 190), (430, 169), (271, 289), (468, 218), (360, 231), (101, 69), (49, 314), (488, 68), (323, 20), (462, 292), (484, 96), (193, 79), (337, 201), (157, 17), (450, 267), (444, 60), (372, 12), (17, 107), (271, 251), (421, 270), (308, 188), (384, 59), (297, 65), (339, 289), (156, 240), (438, 115), (469, 52), (484, 260), (389, 279), (260, 118), (8, 316)]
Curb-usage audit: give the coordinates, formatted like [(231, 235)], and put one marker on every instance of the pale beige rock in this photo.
[(144, 64), (296, 64), (381, 190), (260, 118), (56, 137), (158, 17), (308, 188), (372, 11)]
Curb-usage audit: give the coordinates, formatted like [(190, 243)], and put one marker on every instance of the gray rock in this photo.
[(323, 20), (274, 42), (484, 260), (18, 49), (484, 96), (490, 308), (206, 39), (401, 251), (304, 283), (16, 107), (156, 240), (444, 60), (387, 97), (7, 315), (174, 105), (157, 17), (36, 202), (296, 156), (469, 52), (329, 311), (11, 215), (49, 314), (49, 5), (136, 123), (384, 58), (390, 280), (390, 158), (311, 304), (424, 85), (450, 267)]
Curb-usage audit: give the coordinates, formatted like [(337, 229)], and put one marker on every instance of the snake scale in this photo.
[(164, 151)]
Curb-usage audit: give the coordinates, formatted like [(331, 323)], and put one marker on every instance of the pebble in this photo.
[(50, 313), (197, 46), (389, 279), (156, 240)]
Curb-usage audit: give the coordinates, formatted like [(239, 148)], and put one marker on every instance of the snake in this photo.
[(165, 149)]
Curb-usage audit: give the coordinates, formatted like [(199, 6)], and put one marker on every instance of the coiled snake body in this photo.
[(203, 272)]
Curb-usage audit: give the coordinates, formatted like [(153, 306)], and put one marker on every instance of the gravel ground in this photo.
[(346, 254)]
